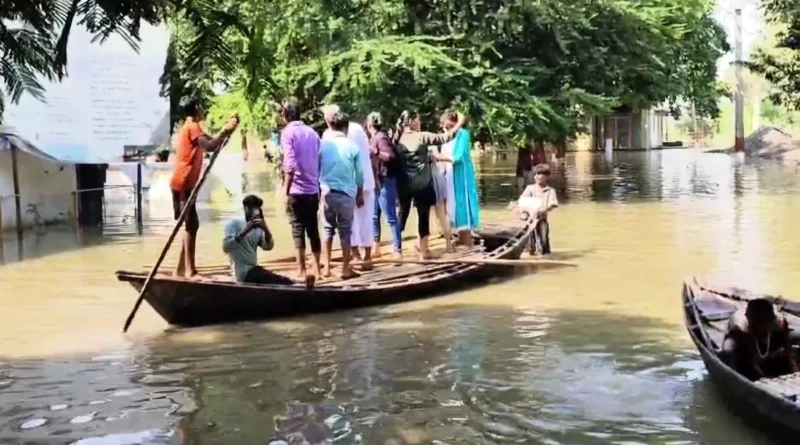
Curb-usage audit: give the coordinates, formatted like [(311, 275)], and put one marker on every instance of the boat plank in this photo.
[(786, 385)]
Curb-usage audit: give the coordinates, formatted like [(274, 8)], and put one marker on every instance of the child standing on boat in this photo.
[(538, 199)]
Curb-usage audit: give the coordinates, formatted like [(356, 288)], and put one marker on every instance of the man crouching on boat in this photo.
[(757, 343), (242, 239)]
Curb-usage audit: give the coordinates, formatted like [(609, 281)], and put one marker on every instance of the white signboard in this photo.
[(109, 99)]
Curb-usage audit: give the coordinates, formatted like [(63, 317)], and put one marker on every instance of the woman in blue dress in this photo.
[(466, 215)]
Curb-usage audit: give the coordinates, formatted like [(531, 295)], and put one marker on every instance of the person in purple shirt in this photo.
[(300, 146)]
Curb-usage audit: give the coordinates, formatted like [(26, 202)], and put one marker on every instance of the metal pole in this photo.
[(17, 201), (738, 145), (695, 135), (139, 218)]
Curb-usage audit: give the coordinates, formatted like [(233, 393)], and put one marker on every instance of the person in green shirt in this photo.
[(243, 238)]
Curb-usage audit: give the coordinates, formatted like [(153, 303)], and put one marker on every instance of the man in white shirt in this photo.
[(362, 230)]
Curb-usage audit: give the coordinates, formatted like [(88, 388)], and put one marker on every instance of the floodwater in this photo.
[(589, 355)]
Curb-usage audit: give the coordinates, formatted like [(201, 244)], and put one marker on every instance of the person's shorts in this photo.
[(338, 209), (303, 217), (179, 200)]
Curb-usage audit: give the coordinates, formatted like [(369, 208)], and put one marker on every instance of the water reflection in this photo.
[(668, 175), (595, 354), (458, 374)]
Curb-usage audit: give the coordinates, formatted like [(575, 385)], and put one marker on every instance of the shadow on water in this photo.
[(460, 374)]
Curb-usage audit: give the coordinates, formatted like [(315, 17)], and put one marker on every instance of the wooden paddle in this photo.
[(178, 223), (486, 261)]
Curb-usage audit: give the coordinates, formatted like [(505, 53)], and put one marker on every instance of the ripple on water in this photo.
[(486, 366)]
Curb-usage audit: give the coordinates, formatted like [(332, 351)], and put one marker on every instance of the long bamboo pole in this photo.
[(181, 219), (486, 261)]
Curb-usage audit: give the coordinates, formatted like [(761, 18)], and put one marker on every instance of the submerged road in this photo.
[(589, 355)]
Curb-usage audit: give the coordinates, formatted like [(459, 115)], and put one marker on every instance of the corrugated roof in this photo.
[(8, 137)]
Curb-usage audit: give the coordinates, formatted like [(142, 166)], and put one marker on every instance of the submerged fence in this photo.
[(109, 204)]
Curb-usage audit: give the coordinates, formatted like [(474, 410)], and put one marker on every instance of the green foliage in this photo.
[(779, 62), (521, 70), (257, 117)]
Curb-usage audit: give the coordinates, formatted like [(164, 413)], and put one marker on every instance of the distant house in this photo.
[(627, 129), (46, 184)]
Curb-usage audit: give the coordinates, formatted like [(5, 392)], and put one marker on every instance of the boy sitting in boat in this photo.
[(242, 239), (537, 200), (757, 343)]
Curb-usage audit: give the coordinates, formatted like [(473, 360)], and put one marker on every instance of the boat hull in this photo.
[(771, 413), (195, 303)]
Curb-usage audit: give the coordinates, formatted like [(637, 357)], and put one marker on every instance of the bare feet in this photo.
[(366, 264), (310, 281), (195, 277), (326, 271), (348, 273), (423, 255)]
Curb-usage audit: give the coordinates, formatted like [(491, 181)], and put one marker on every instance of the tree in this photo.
[(780, 63), (523, 71)]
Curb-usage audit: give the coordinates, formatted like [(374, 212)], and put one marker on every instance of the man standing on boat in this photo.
[(362, 231), (300, 148), (243, 238), (191, 143), (341, 179)]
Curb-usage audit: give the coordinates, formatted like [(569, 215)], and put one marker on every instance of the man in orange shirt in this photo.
[(190, 145)]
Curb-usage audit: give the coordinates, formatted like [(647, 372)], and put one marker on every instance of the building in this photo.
[(46, 186), (627, 129)]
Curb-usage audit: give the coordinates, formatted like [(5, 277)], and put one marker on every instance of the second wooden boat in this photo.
[(218, 299), (771, 404)]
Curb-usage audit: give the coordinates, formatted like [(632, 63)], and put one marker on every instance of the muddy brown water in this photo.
[(589, 355)]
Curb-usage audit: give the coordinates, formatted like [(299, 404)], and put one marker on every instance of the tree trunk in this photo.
[(523, 161), (561, 148), (539, 155), (244, 145)]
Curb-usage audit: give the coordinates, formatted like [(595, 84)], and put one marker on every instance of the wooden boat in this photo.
[(772, 404), (218, 299)]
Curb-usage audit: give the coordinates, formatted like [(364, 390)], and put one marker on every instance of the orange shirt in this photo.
[(188, 157)]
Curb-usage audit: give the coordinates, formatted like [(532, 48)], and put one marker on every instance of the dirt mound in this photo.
[(769, 142)]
